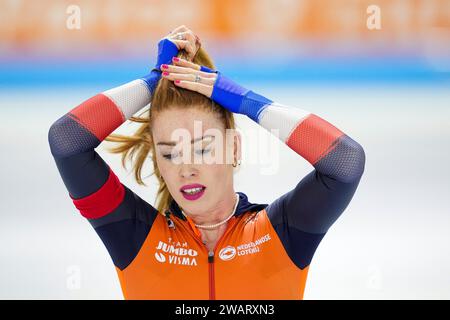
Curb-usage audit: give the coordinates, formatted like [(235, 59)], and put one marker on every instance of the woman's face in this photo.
[(193, 150)]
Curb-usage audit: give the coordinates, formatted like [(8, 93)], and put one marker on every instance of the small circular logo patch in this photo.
[(227, 253)]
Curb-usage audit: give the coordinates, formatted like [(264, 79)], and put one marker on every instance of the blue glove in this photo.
[(236, 98), (166, 51)]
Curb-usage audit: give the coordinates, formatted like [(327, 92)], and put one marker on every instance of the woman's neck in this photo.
[(210, 237), (222, 211)]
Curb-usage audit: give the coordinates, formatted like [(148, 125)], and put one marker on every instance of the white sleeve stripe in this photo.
[(283, 118), (130, 97)]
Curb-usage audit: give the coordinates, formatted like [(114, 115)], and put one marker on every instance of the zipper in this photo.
[(211, 254), (212, 280)]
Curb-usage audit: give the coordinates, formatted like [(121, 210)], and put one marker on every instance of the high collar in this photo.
[(243, 206)]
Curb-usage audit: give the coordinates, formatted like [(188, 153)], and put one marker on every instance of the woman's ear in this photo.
[(237, 146)]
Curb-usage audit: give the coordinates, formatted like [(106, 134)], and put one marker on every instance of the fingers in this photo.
[(188, 35), (191, 42), (188, 64), (183, 66), (186, 45), (185, 63), (187, 75), (188, 70), (204, 89), (183, 29)]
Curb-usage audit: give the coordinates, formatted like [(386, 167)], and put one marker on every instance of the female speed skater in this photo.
[(202, 239)]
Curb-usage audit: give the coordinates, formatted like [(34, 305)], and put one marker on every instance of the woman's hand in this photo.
[(214, 85), (168, 48), (185, 73), (184, 38)]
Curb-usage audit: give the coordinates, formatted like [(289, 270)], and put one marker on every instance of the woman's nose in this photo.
[(188, 170)]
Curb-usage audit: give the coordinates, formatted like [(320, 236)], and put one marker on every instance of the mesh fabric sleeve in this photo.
[(303, 215), (120, 217)]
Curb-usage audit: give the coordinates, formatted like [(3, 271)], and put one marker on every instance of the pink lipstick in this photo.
[(192, 191)]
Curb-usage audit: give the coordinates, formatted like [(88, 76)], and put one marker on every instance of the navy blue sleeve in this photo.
[(125, 228), (119, 216), (302, 216)]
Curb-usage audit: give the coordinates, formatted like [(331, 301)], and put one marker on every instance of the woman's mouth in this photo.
[(192, 192)]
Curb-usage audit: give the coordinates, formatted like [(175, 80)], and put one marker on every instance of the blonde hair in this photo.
[(137, 147)]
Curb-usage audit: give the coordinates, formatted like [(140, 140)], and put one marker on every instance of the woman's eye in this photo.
[(171, 156), (202, 151), (168, 156)]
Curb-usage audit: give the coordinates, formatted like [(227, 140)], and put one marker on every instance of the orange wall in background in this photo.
[(27, 22)]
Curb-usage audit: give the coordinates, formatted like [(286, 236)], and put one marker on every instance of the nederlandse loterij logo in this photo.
[(177, 253), (227, 253)]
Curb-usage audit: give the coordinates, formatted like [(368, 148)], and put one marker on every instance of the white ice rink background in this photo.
[(392, 241)]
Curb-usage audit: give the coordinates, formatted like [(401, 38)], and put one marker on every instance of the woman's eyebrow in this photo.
[(172, 143)]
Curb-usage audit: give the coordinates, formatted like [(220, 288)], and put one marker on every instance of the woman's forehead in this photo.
[(188, 123)]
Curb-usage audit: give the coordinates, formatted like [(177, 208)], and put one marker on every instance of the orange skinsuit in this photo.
[(266, 250), (249, 261)]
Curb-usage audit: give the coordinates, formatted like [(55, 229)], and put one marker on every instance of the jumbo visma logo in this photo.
[(160, 257), (227, 253), (176, 253)]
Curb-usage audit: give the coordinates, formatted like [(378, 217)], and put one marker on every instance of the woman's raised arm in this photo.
[(303, 215), (120, 217)]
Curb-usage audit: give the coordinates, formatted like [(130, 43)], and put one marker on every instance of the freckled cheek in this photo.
[(171, 178), (215, 156), (166, 168), (215, 173)]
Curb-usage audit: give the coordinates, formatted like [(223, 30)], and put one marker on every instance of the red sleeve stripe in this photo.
[(99, 115), (103, 201), (313, 138)]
